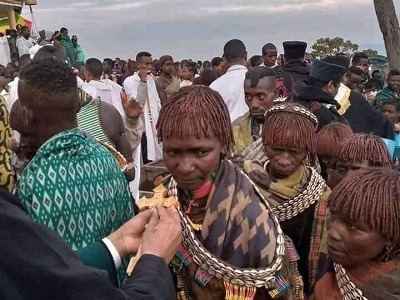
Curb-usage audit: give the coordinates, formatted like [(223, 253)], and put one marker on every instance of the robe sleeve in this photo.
[(36, 264), (133, 130), (97, 255)]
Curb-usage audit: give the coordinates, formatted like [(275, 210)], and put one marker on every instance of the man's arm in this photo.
[(133, 131), (161, 90), (113, 125), (133, 123), (37, 264)]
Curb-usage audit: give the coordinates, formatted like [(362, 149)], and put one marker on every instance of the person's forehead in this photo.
[(350, 164), (191, 142), (264, 83), (271, 52), (388, 107), (281, 146), (146, 59)]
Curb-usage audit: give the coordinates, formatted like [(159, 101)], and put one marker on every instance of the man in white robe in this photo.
[(141, 86), (25, 42)]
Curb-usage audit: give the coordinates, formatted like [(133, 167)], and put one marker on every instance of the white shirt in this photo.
[(98, 89), (24, 45), (13, 93), (185, 83), (231, 88), (274, 66)]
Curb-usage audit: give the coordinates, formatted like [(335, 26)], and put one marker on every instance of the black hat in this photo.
[(294, 49), (234, 48), (326, 72), (340, 60)]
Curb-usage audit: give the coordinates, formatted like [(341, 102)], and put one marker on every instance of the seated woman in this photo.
[(363, 238), (296, 192), (232, 245), (328, 140), (357, 151)]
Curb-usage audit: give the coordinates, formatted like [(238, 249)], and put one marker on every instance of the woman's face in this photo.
[(339, 170), (191, 161), (186, 74), (284, 161), (351, 243)]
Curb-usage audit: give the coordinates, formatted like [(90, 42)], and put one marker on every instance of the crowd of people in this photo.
[(281, 183)]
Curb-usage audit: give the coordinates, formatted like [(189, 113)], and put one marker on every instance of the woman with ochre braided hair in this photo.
[(363, 238), (233, 246), (328, 141), (357, 151), (296, 192)]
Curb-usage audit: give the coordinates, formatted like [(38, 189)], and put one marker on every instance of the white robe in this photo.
[(5, 56), (24, 45), (152, 107)]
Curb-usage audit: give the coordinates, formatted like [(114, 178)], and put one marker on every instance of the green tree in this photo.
[(331, 46), (370, 52)]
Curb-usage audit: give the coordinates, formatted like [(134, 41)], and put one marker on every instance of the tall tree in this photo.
[(389, 25), (331, 46)]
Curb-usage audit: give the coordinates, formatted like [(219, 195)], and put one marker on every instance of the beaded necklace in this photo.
[(196, 202)]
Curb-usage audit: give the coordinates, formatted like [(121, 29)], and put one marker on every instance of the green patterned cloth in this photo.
[(74, 186)]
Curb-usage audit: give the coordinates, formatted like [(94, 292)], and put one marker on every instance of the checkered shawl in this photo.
[(237, 227)]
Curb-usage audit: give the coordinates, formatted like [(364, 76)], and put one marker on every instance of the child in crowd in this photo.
[(371, 89), (391, 110)]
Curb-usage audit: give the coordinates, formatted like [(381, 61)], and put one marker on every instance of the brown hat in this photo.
[(163, 59)]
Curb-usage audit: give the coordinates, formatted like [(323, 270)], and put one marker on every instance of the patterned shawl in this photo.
[(376, 280), (7, 180), (74, 186), (238, 227), (280, 191)]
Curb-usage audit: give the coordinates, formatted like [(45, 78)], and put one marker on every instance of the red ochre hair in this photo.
[(361, 147), (290, 125), (195, 112), (371, 196), (328, 139)]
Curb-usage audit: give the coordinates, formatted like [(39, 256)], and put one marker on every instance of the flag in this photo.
[(4, 24)]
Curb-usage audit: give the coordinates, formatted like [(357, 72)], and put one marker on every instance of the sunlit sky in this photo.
[(199, 29)]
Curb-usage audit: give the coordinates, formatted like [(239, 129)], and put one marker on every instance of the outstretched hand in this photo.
[(128, 237), (163, 233), (132, 108)]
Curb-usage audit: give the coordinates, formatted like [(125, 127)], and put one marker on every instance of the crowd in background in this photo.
[(278, 176)]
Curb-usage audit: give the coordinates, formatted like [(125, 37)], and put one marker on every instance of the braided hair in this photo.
[(371, 196), (361, 147), (290, 125), (196, 111), (328, 139)]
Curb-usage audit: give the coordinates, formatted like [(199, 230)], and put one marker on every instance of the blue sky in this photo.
[(199, 29)]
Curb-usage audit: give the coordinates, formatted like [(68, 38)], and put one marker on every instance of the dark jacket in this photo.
[(362, 117), (294, 71), (317, 100), (35, 263)]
